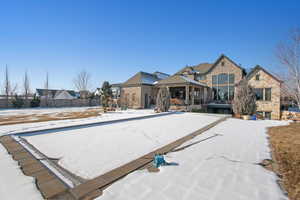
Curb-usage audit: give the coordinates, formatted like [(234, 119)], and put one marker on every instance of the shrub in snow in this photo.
[(106, 94), (17, 102), (244, 102), (35, 102), (163, 100)]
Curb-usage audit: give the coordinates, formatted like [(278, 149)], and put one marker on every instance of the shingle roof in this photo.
[(256, 69), (52, 93), (179, 79), (142, 78), (200, 68), (204, 68)]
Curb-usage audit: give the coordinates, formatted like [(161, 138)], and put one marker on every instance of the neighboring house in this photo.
[(57, 94), (139, 91), (268, 92)]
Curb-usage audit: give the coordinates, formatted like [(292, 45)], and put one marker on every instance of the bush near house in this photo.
[(17, 102), (163, 100), (244, 102), (35, 102)]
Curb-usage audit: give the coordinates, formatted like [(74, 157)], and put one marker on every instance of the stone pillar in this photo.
[(187, 94)]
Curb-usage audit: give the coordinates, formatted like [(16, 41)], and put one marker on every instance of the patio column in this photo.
[(187, 94), (193, 95)]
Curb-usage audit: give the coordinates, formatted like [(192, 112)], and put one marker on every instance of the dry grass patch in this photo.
[(21, 119), (285, 143)]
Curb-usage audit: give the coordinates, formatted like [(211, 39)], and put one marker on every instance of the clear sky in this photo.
[(113, 40)]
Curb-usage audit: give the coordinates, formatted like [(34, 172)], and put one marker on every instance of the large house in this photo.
[(207, 86)]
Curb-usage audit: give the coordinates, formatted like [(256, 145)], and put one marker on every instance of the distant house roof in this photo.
[(145, 78), (179, 79), (258, 68), (52, 93)]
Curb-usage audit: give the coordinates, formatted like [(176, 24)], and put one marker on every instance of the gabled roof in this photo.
[(200, 68), (52, 93), (142, 78), (204, 68), (258, 68), (179, 79), (222, 57)]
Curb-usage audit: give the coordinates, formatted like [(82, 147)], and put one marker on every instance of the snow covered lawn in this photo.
[(13, 183), (90, 152), (7, 129), (223, 167)]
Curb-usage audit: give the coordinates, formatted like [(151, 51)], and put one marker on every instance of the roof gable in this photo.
[(259, 68), (227, 58), (142, 78)]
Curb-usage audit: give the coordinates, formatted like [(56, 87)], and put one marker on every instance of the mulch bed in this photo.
[(285, 144)]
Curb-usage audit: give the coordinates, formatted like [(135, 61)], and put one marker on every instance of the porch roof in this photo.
[(179, 80)]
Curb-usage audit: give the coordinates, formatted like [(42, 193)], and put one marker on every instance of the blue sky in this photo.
[(113, 40)]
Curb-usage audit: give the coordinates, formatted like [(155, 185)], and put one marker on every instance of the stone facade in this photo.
[(267, 81), (227, 67)]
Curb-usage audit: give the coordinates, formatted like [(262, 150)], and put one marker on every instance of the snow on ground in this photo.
[(31, 111), (89, 152), (14, 184), (222, 167), (7, 129)]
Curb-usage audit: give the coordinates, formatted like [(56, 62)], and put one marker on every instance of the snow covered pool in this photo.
[(90, 152)]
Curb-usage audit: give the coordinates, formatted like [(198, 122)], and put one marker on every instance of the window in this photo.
[(133, 97), (223, 93), (257, 77), (214, 79), (223, 78), (259, 93), (268, 94), (223, 63), (267, 115), (215, 93), (231, 78), (231, 92), (200, 77)]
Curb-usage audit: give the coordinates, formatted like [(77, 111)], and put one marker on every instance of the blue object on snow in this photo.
[(253, 117), (159, 161)]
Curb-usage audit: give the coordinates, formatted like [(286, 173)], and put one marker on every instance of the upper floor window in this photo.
[(257, 77), (231, 78), (222, 78), (259, 93), (268, 94), (214, 79), (223, 63), (200, 77)]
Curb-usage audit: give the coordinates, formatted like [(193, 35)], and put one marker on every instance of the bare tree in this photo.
[(163, 100), (46, 87), (26, 86), (9, 90), (244, 102), (82, 81), (288, 54)]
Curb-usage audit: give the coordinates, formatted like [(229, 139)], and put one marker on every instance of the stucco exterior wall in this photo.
[(267, 81)]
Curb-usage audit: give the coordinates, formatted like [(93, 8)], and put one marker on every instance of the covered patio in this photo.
[(185, 91)]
